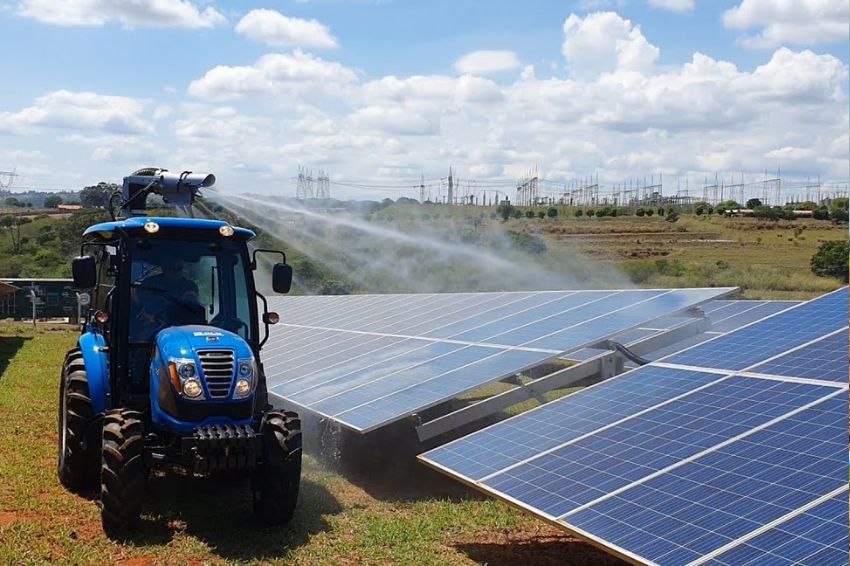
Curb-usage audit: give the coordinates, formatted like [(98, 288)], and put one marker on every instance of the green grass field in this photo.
[(392, 513)]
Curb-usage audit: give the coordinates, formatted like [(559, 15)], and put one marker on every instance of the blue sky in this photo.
[(375, 90)]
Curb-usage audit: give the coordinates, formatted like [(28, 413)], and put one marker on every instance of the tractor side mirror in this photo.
[(84, 272), (282, 278)]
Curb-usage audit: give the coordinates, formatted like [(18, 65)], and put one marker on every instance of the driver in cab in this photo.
[(158, 293)]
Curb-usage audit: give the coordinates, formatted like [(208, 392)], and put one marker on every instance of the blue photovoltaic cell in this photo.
[(368, 360), (817, 537), (562, 420), (769, 337), (825, 359), (562, 480), (708, 503), (727, 323)]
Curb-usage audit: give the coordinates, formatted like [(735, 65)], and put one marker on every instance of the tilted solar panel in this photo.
[(366, 361), (771, 336)]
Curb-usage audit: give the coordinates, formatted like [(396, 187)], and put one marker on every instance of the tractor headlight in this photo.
[(186, 370), (184, 378), (192, 388), (243, 387), (246, 368)]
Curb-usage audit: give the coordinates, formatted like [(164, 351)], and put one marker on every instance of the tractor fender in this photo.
[(92, 347)]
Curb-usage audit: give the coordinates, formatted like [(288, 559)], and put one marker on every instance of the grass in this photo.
[(352, 511), (768, 260)]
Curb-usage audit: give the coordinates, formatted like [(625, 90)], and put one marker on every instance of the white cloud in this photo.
[(614, 113), (81, 111), (272, 73), (487, 62), (604, 42), (146, 13), (787, 22), (673, 5), (273, 28)]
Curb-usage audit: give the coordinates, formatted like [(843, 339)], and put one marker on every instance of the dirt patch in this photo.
[(535, 545), (7, 518), (136, 561)]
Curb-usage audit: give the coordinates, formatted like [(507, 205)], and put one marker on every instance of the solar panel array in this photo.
[(368, 360), (738, 461)]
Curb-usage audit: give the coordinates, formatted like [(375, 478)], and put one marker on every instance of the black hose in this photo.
[(629, 354)]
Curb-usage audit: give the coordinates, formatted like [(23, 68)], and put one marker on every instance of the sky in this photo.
[(381, 93)]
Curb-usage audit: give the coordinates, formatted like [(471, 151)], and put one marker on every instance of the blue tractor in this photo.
[(167, 372)]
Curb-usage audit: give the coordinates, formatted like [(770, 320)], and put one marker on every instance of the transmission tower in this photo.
[(304, 185), (323, 186), (9, 179)]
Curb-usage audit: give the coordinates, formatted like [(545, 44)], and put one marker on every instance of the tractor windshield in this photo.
[(173, 283)]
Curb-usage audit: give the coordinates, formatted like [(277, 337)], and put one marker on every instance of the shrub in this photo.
[(753, 203), (699, 211), (527, 242), (820, 213), (640, 211), (541, 215), (831, 260), (650, 211), (672, 216), (552, 212), (590, 212), (839, 215), (578, 213), (529, 214)]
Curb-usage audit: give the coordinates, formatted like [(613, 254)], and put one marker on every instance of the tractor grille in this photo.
[(218, 371)]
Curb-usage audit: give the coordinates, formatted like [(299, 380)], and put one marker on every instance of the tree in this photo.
[(97, 196), (552, 212), (505, 210), (52, 201), (13, 202), (840, 203), (12, 224), (831, 260), (753, 203), (727, 205)]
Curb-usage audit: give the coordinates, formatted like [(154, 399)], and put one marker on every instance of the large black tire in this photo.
[(122, 473), (278, 477), (77, 454)]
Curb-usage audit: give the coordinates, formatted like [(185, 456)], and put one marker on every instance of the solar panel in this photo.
[(818, 536), (678, 464), (723, 316), (824, 359), (365, 361), (771, 336)]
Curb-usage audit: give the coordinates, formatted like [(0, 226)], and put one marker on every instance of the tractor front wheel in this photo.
[(77, 456), (278, 477), (122, 472)]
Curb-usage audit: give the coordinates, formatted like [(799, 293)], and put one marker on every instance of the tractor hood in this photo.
[(186, 341)]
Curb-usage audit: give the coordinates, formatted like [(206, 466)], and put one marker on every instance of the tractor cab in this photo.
[(170, 352)]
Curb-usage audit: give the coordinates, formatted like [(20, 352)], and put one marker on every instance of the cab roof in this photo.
[(167, 226)]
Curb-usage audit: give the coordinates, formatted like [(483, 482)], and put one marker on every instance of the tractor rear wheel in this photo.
[(278, 477), (122, 472), (77, 458)]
